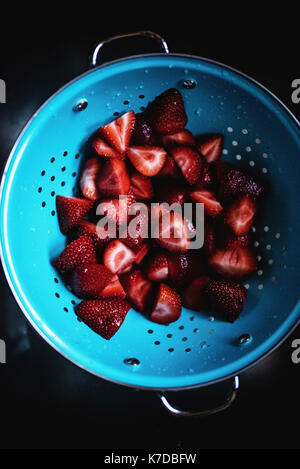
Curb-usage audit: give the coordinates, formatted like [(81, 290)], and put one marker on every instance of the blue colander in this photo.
[(260, 133)]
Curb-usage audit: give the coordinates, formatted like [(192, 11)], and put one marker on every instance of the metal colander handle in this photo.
[(202, 413), (149, 34)]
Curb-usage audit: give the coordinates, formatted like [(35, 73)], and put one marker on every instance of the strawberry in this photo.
[(78, 253), (227, 297), (212, 206), (233, 263), (141, 252), (209, 243), (118, 132), (141, 186), (166, 113), (147, 160), (116, 209), (134, 234), (228, 240), (117, 257), (138, 290), (170, 169), (206, 178), (99, 235), (194, 295), (235, 181), (142, 133), (172, 232), (239, 216), (89, 280), (103, 149), (189, 162), (113, 290), (103, 316), (211, 146), (183, 267), (70, 210), (157, 268), (171, 193), (167, 305), (183, 137), (88, 178), (113, 179)]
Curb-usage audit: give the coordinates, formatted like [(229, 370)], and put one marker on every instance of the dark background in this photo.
[(47, 402)]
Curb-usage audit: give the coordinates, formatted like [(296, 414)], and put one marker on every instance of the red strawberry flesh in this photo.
[(167, 305), (118, 132), (113, 179)]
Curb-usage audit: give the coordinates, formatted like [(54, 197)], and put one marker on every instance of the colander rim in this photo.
[(8, 275)]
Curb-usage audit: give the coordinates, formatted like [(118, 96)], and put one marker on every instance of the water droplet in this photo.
[(211, 318), (198, 111), (203, 344)]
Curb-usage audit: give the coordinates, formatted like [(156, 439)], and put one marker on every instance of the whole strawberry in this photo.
[(166, 113), (103, 316), (227, 298)]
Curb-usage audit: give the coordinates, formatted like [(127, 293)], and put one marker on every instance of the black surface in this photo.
[(47, 402)]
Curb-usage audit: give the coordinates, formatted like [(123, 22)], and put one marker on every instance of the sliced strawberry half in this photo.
[(98, 234), (212, 206), (227, 297), (147, 160), (105, 316), (141, 186), (113, 179), (167, 113), (183, 137), (170, 169), (78, 253), (167, 305), (239, 216), (118, 132), (172, 232), (117, 257), (211, 146), (89, 280), (141, 252), (138, 290), (189, 162), (103, 149), (70, 210), (157, 268), (195, 296), (113, 290), (88, 179), (233, 263)]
